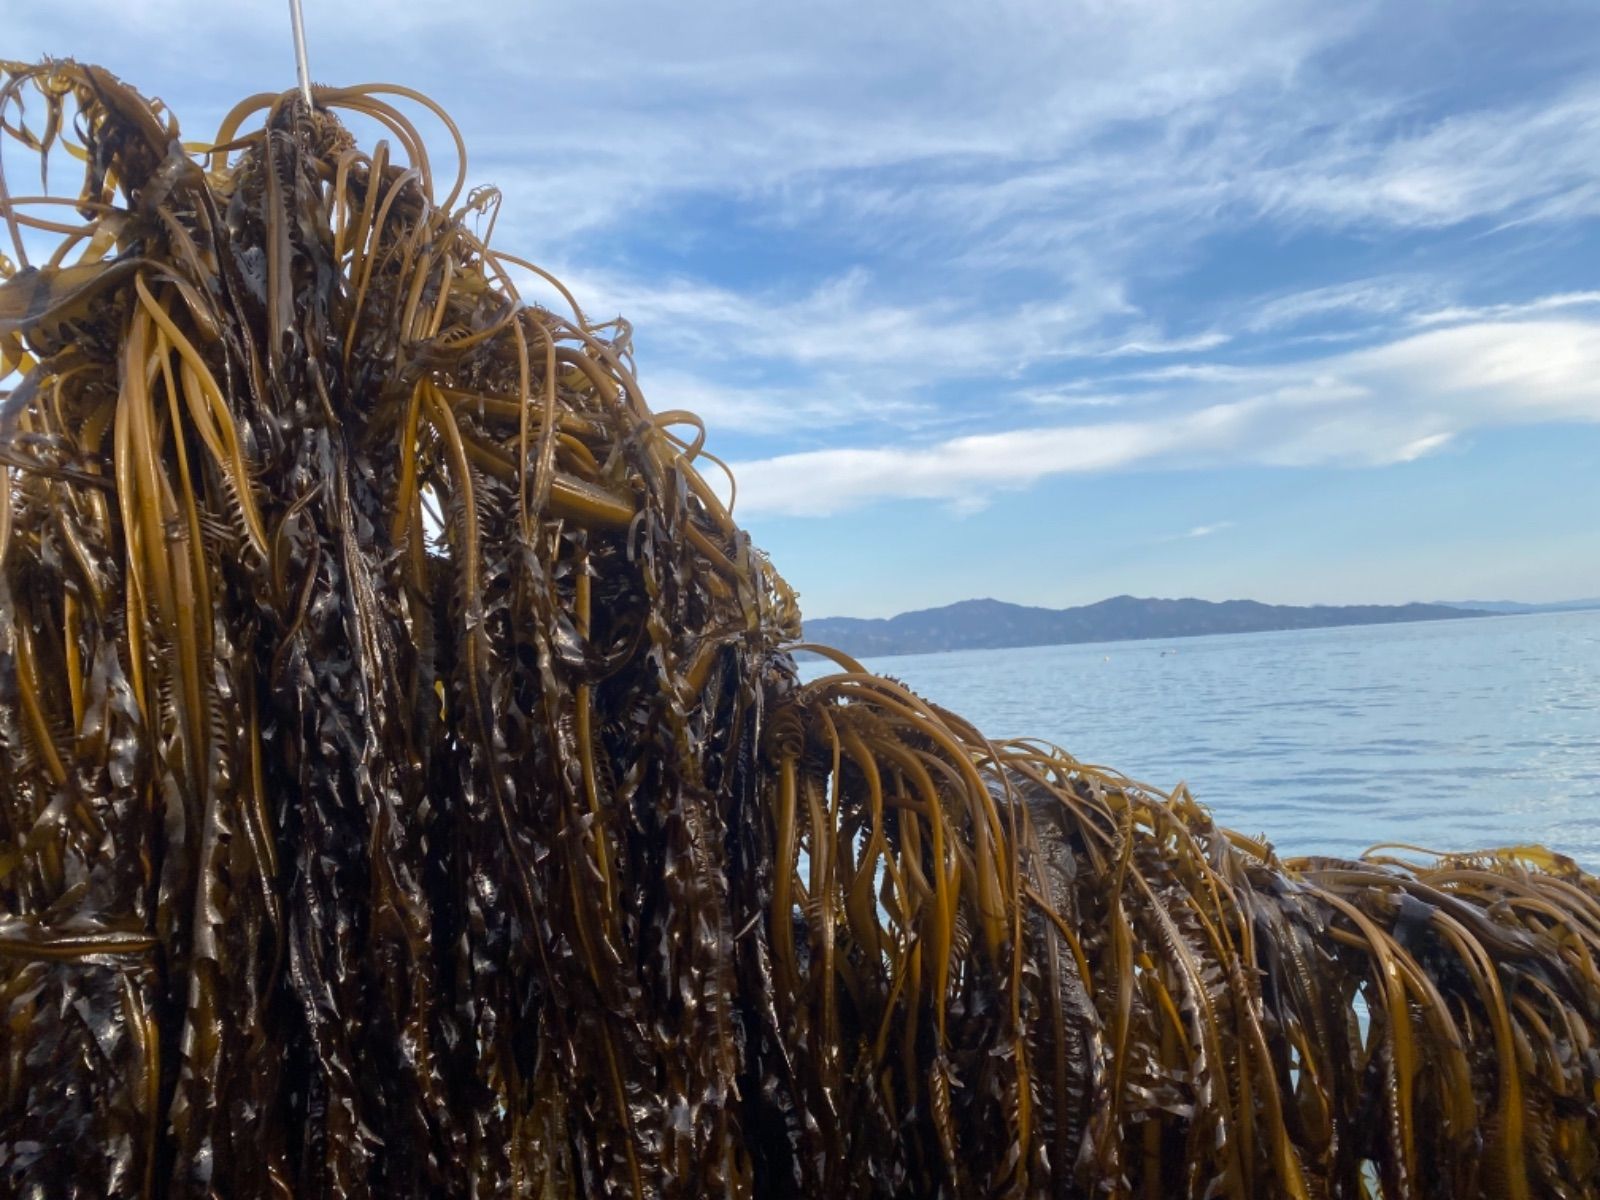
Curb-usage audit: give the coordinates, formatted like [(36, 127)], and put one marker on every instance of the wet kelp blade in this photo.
[(405, 787)]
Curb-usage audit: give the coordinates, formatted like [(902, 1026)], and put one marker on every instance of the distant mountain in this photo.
[(989, 624), (1507, 607)]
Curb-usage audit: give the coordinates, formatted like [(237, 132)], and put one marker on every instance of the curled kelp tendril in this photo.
[(406, 787)]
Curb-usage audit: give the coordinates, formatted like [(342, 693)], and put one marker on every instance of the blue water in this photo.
[(1449, 734)]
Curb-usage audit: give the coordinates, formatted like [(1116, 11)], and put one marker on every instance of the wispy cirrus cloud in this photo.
[(1522, 162), (1539, 306), (1384, 405), (1200, 531), (1382, 298), (836, 355), (842, 322)]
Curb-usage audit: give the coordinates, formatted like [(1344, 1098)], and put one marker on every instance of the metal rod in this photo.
[(301, 65)]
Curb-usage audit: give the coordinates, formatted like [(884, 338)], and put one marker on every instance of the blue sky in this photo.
[(1043, 301)]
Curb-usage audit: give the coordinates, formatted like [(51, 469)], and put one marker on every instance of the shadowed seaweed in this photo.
[(405, 787)]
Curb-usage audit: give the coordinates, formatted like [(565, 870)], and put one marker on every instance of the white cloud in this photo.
[(1203, 341), (1527, 161), (836, 355), (840, 323), (1385, 405), (1200, 531), (1197, 531), (961, 470), (1382, 297), (1422, 447), (1079, 394), (1457, 314)]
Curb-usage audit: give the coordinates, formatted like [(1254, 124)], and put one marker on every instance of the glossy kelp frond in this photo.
[(406, 789), (1132, 1001), (351, 864)]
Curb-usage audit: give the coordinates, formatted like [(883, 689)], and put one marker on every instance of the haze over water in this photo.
[(1452, 735)]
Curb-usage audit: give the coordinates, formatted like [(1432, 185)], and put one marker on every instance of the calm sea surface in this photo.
[(1449, 734)]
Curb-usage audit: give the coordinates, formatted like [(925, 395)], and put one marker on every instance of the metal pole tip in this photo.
[(297, 22)]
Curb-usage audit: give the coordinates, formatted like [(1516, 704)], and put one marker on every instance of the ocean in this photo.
[(1452, 735)]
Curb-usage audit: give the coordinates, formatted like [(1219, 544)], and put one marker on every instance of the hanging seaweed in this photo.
[(405, 787)]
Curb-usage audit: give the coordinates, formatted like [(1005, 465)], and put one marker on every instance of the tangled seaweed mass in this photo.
[(405, 787)]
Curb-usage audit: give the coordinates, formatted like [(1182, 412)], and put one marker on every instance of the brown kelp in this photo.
[(405, 787)]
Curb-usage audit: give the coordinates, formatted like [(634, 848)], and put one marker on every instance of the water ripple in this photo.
[(1460, 733)]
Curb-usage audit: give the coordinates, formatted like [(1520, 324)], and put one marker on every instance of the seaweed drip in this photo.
[(406, 790)]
